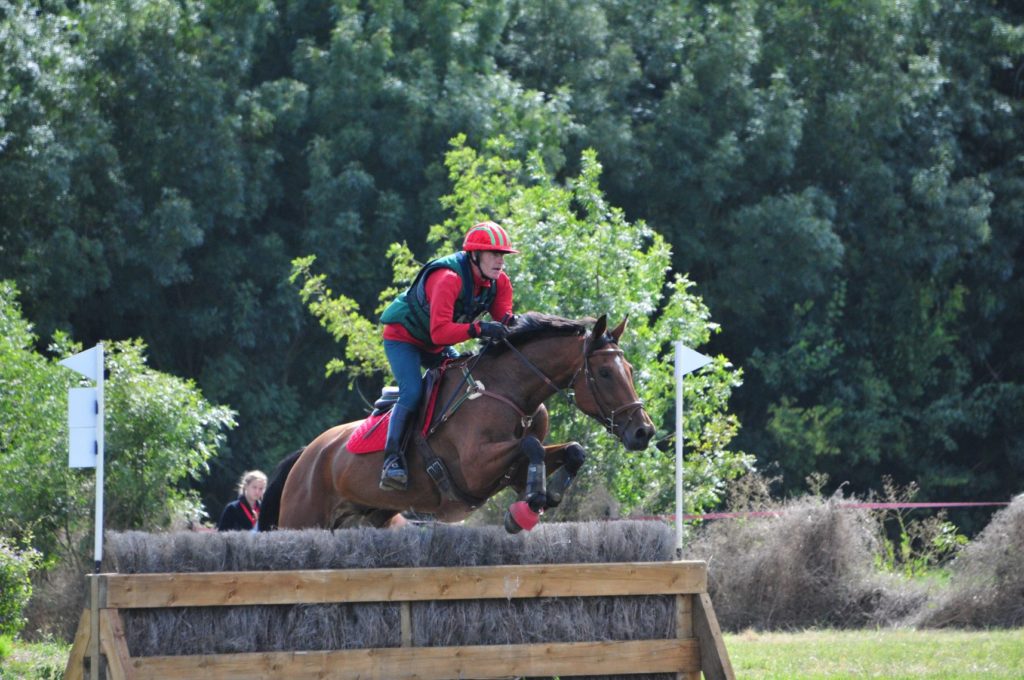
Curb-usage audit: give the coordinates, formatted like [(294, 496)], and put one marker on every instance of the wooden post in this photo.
[(406, 610), (75, 668), (114, 645), (94, 627), (714, 660)]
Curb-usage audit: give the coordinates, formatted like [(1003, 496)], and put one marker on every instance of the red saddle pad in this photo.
[(371, 434)]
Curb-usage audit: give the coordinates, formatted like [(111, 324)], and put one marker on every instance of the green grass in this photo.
[(810, 655), (889, 654), (37, 661)]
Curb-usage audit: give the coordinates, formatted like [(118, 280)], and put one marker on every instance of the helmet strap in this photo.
[(474, 257)]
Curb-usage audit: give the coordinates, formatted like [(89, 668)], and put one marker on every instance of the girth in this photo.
[(442, 476)]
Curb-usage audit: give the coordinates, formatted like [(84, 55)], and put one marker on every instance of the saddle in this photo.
[(371, 434)]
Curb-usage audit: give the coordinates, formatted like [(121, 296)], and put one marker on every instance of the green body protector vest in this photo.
[(412, 309)]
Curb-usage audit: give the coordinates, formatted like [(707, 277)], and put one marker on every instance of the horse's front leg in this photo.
[(536, 493), (566, 459), (525, 513)]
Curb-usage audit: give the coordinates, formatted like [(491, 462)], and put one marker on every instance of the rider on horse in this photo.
[(438, 310)]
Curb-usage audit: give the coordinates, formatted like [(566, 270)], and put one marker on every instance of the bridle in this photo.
[(605, 415)]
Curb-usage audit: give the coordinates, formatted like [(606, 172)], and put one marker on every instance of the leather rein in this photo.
[(606, 416)]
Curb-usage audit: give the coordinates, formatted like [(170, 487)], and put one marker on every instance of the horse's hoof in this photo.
[(522, 516), (510, 524)]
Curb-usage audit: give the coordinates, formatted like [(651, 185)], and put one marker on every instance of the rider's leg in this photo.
[(405, 365), (393, 474)]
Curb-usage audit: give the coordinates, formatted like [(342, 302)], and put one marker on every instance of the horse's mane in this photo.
[(535, 325)]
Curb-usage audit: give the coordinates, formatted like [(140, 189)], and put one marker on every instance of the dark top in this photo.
[(236, 516)]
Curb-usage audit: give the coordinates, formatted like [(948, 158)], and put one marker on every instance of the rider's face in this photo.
[(491, 263)]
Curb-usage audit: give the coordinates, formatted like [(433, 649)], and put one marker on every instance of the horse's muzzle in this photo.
[(637, 438)]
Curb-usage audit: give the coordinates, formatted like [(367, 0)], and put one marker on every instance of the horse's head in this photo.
[(604, 388)]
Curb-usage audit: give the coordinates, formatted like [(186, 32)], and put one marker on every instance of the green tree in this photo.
[(580, 258), (840, 180)]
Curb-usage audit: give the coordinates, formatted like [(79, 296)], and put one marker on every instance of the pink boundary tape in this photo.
[(859, 506)]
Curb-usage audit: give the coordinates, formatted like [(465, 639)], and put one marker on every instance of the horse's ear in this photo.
[(599, 329), (617, 331)]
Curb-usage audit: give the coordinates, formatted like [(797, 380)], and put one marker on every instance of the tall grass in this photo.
[(35, 661)]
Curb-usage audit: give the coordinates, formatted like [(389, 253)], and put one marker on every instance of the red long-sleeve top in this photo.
[(442, 289)]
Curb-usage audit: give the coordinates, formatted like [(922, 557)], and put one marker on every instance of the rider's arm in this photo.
[(443, 287)]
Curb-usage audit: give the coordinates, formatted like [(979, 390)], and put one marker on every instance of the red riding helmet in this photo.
[(488, 236)]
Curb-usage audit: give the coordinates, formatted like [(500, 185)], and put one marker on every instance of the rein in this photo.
[(475, 388), (606, 416)]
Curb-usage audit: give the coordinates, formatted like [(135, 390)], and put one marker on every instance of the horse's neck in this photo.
[(558, 359)]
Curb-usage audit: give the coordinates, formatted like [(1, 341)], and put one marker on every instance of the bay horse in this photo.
[(487, 435)]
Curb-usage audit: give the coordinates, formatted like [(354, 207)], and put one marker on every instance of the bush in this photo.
[(987, 584), (58, 597), (913, 547), (809, 562), (15, 586)]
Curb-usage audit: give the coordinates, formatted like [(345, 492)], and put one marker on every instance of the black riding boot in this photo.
[(393, 474)]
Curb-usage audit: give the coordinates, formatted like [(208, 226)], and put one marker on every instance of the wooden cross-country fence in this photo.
[(697, 647)]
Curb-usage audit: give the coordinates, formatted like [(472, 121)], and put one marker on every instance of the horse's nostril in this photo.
[(640, 438)]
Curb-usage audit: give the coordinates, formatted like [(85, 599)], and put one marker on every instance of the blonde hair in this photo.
[(248, 478)]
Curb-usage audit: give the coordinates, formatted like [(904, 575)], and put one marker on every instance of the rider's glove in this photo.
[(493, 329)]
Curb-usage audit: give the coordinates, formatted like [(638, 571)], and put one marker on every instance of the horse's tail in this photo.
[(270, 507)]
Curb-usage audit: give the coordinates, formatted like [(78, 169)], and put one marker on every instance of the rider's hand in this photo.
[(493, 329)]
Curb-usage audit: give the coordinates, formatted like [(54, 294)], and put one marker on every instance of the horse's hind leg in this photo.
[(349, 515)]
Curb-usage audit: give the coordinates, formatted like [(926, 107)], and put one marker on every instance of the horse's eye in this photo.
[(604, 372)]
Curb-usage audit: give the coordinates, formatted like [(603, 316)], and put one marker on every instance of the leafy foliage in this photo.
[(15, 586), (160, 434)]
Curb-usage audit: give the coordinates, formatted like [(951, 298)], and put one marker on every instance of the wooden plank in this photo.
[(684, 629), (383, 585), (406, 622), (75, 668), (434, 663), (114, 645), (714, 659)]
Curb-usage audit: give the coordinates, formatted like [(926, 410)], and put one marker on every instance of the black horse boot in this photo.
[(393, 475)]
